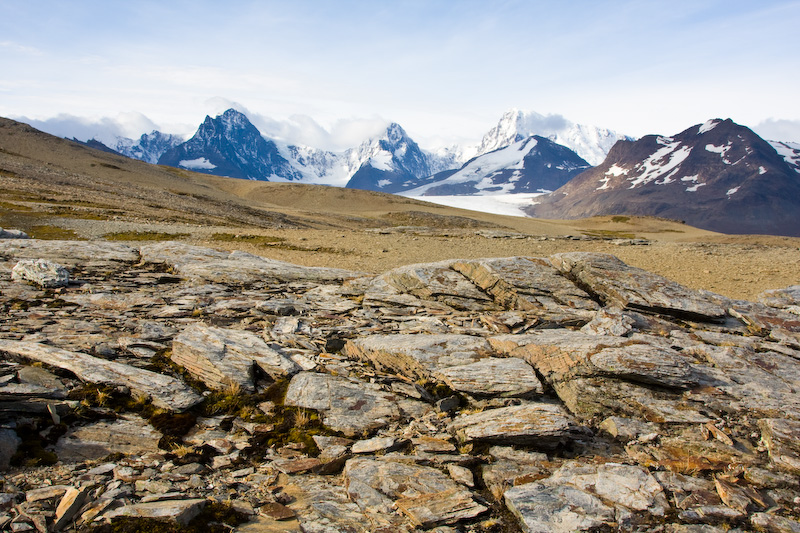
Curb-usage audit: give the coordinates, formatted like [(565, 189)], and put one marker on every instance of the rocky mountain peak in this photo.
[(718, 175)]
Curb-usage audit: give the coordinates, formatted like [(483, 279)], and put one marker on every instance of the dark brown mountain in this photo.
[(718, 176)]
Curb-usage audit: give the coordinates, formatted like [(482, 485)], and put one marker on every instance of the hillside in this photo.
[(55, 188)]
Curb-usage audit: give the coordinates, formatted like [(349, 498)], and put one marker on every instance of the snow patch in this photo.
[(604, 182), (664, 163), (497, 204), (694, 187), (616, 170), (790, 152), (201, 163), (721, 150), (762, 170), (708, 126), (384, 183), (732, 191), (381, 161)]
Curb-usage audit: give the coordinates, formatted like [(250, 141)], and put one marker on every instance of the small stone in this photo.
[(373, 445), (277, 511), (461, 475)]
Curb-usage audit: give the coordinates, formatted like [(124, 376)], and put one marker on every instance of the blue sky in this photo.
[(445, 70)]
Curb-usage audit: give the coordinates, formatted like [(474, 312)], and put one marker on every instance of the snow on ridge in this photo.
[(708, 126), (511, 157), (201, 163), (616, 170), (664, 163), (789, 151), (381, 161)]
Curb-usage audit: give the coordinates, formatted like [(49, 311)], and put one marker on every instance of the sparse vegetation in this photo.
[(144, 236), (52, 233), (608, 234), (264, 240), (620, 218)]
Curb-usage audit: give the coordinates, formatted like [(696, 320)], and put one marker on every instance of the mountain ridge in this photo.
[(718, 176)]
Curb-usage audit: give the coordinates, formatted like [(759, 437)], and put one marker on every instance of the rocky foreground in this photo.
[(569, 393)]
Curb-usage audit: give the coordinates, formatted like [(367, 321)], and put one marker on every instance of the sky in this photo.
[(327, 74)]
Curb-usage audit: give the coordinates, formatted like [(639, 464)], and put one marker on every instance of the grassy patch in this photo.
[(620, 218), (609, 234), (265, 240), (143, 236), (53, 233)]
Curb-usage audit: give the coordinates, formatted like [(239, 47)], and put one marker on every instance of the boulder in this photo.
[(424, 494), (463, 362), (164, 391), (633, 288), (528, 284), (350, 406), (222, 358), (45, 274), (178, 511), (542, 425)]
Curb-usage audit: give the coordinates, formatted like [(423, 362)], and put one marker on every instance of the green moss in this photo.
[(143, 236), (31, 452), (53, 233), (252, 239)]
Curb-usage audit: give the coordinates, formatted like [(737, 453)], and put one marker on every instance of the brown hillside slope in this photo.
[(53, 188)]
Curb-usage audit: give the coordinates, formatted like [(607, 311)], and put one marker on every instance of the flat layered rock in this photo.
[(439, 282), (628, 485), (633, 288), (130, 436), (544, 508), (783, 442), (562, 355), (205, 264), (535, 424), (164, 391), (493, 376), (179, 511), (426, 495), (527, 284), (69, 252), (349, 406), (579, 497), (223, 357), (463, 362)]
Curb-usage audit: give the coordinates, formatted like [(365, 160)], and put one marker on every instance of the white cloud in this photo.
[(105, 129), (779, 130)]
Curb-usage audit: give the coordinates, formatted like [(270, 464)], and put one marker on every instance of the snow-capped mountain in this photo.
[(149, 147), (390, 163), (229, 145), (589, 142), (717, 175), (534, 164)]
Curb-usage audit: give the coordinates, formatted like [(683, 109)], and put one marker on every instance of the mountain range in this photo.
[(229, 145), (718, 175)]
